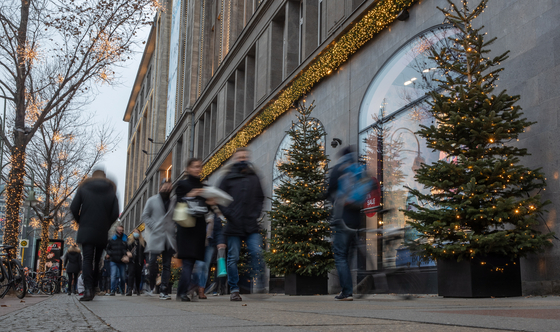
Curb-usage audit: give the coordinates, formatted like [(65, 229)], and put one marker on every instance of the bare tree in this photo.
[(51, 54), (62, 154)]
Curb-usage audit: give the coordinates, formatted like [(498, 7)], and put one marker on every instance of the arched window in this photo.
[(393, 108)]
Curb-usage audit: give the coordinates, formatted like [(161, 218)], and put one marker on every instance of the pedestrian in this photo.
[(95, 208), (191, 241), (346, 219), (144, 284), (117, 248), (158, 218), (73, 264), (106, 275), (136, 246), (215, 240), (242, 183)]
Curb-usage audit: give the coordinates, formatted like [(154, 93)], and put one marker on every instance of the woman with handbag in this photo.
[(191, 239)]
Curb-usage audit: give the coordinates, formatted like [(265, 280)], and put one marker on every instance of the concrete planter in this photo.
[(302, 285)]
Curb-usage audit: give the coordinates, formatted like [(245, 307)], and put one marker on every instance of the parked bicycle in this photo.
[(11, 274)]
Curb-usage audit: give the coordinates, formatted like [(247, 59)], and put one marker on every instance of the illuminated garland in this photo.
[(14, 198), (336, 54)]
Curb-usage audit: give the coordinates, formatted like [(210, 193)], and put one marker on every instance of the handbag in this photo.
[(182, 216)]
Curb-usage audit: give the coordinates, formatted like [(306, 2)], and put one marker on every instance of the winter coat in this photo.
[(351, 216), (191, 241), (161, 225), (136, 248), (73, 260), (117, 247), (95, 208), (243, 213)]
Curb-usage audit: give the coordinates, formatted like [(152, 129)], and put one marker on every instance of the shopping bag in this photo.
[(182, 217)]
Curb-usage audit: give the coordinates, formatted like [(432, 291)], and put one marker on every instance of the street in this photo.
[(281, 313)]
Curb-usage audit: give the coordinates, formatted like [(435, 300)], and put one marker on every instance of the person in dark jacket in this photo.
[(73, 264), (242, 183), (136, 246), (117, 248), (191, 241), (344, 240), (95, 208), (106, 275)]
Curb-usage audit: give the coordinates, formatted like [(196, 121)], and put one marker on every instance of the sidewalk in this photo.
[(288, 313)]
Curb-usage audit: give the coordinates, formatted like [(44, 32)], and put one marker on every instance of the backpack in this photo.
[(354, 184)]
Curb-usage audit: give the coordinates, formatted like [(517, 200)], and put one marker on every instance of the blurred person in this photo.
[(117, 249), (95, 208), (242, 183), (158, 218), (73, 264), (106, 275), (136, 246), (191, 241), (144, 284), (346, 219), (215, 240)]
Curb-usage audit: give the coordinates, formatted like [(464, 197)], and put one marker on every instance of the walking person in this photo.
[(73, 264), (242, 183), (215, 240), (158, 218), (95, 208), (191, 241), (106, 275), (346, 218), (136, 246), (117, 248)]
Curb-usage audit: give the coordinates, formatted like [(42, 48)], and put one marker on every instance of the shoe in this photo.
[(149, 293), (69, 293), (342, 297), (87, 296), (185, 298), (138, 294), (128, 294), (201, 293), (164, 297), (107, 294), (112, 294), (235, 297), (215, 294)]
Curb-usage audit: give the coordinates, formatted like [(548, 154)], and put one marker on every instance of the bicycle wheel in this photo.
[(19, 284), (48, 287), (4, 279)]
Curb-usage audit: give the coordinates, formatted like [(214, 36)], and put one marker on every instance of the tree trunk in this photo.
[(44, 245), (14, 196)]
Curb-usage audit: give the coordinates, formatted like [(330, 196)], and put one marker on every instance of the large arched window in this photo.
[(393, 108)]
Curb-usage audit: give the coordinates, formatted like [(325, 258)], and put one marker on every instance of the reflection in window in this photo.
[(394, 107)]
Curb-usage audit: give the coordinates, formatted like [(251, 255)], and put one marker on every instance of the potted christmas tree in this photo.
[(480, 213), (298, 247)]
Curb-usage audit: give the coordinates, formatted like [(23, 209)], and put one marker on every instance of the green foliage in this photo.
[(300, 229), (483, 200)]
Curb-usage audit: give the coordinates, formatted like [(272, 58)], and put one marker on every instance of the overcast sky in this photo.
[(110, 105)]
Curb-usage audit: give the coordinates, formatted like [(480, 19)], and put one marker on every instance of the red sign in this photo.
[(373, 199)]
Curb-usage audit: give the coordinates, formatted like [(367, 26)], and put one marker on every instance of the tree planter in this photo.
[(493, 275), (295, 284)]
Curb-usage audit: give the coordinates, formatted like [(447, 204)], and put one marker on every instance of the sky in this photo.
[(109, 105)]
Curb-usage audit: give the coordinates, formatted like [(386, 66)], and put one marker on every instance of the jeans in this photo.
[(166, 256), (90, 264), (200, 272), (185, 279), (254, 244), (343, 245), (118, 270)]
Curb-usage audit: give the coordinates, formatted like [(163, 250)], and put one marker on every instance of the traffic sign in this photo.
[(24, 243)]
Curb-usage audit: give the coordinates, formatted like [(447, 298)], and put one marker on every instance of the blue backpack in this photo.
[(354, 184)]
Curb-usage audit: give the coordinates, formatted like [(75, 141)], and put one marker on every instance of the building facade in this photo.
[(220, 74)]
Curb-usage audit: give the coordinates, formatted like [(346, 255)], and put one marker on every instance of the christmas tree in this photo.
[(483, 201), (299, 226)]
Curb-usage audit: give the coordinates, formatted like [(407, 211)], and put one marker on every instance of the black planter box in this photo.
[(493, 275), (302, 285)]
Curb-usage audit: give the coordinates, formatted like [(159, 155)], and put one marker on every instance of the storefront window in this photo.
[(394, 107)]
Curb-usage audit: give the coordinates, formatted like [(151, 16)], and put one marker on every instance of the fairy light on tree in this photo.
[(51, 55), (483, 200)]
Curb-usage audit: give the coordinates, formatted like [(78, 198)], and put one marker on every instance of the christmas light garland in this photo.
[(334, 55)]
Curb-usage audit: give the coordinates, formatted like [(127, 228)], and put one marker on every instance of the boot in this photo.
[(201, 294), (88, 295)]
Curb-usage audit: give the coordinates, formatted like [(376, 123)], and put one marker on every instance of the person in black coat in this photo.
[(191, 241), (136, 246), (242, 183), (73, 264), (106, 275), (95, 208)]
